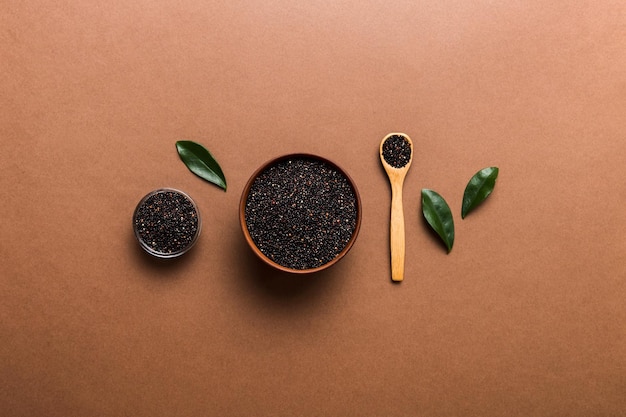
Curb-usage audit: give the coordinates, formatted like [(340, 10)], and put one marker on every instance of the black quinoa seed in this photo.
[(397, 151), (301, 213), (166, 223)]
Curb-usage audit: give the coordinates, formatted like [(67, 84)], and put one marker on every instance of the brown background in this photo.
[(526, 316)]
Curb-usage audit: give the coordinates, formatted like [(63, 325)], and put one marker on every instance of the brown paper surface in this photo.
[(526, 315)]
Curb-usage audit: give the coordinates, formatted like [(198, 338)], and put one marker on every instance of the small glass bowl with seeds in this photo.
[(166, 223), (300, 213)]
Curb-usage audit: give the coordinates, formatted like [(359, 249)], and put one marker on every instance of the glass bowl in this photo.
[(166, 223)]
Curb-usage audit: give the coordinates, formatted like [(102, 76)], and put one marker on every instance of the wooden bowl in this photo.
[(354, 212)]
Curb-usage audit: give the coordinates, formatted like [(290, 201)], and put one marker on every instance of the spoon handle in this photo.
[(397, 234)]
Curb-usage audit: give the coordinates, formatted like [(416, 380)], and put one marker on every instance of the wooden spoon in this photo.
[(396, 158)]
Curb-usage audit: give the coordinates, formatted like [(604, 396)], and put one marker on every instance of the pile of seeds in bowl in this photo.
[(166, 223), (301, 212)]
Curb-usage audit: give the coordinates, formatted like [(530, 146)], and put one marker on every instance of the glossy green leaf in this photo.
[(478, 189), (439, 216), (200, 161)]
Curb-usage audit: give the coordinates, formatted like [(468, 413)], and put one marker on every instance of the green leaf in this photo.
[(478, 189), (200, 161), (438, 214)]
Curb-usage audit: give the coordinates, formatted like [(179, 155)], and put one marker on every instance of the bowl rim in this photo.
[(145, 246), (244, 198)]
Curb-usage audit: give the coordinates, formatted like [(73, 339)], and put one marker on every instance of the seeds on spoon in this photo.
[(397, 151)]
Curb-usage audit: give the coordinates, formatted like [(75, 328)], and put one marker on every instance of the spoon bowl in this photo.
[(396, 155)]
